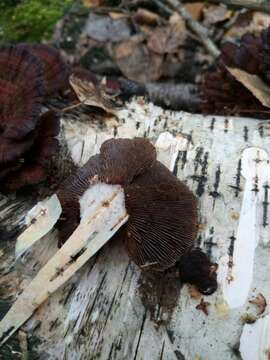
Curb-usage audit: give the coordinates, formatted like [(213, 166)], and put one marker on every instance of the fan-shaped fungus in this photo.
[(21, 92), (25, 162), (54, 68), (162, 211)]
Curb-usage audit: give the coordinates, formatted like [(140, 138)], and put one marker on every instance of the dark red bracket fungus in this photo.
[(28, 164), (162, 223), (220, 88), (21, 92), (55, 70)]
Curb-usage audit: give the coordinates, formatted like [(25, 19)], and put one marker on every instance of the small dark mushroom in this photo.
[(162, 223), (55, 70), (34, 161), (21, 92), (220, 89)]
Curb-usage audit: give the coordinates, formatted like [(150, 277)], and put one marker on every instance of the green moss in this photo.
[(30, 20)]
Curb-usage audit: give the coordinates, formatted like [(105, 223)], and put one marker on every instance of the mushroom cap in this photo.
[(21, 92), (118, 162), (162, 211), (124, 159), (54, 68), (11, 150), (162, 222), (44, 144)]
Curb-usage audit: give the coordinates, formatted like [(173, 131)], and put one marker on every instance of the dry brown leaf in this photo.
[(136, 62), (195, 9), (254, 84), (214, 14), (92, 95), (167, 39), (203, 306), (146, 17), (260, 302)]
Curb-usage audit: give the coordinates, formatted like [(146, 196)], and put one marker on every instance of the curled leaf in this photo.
[(94, 95)]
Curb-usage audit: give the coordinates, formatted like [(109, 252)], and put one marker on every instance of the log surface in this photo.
[(109, 310)]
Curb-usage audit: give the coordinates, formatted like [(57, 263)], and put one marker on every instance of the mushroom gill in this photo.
[(21, 92), (55, 70), (162, 223), (27, 137)]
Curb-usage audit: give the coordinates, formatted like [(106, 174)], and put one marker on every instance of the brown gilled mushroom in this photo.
[(21, 92), (25, 162), (162, 223), (123, 184), (55, 69)]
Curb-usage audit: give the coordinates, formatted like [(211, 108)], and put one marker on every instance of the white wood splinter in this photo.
[(237, 283), (98, 224), (39, 221)]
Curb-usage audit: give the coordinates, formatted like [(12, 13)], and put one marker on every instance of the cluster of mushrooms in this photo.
[(29, 74), (162, 211), (220, 88), (162, 224)]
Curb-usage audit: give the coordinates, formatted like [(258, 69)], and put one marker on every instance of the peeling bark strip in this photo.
[(107, 288)]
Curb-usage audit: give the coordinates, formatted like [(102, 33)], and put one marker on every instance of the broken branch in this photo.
[(196, 27)]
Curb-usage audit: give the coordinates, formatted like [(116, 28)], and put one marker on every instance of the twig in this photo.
[(262, 5), (197, 28)]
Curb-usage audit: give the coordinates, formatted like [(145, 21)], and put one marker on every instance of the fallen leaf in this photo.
[(260, 302), (214, 14), (90, 94), (254, 84), (167, 39), (146, 17), (104, 28), (195, 9), (136, 61), (203, 306)]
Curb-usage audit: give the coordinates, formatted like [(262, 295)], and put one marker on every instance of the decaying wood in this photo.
[(102, 311)]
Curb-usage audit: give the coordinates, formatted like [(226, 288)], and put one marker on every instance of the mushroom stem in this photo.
[(95, 229)]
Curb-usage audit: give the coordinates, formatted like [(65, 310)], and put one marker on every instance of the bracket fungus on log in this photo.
[(28, 73), (25, 162), (220, 87), (21, 92), (123, 184), (55, 70)]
